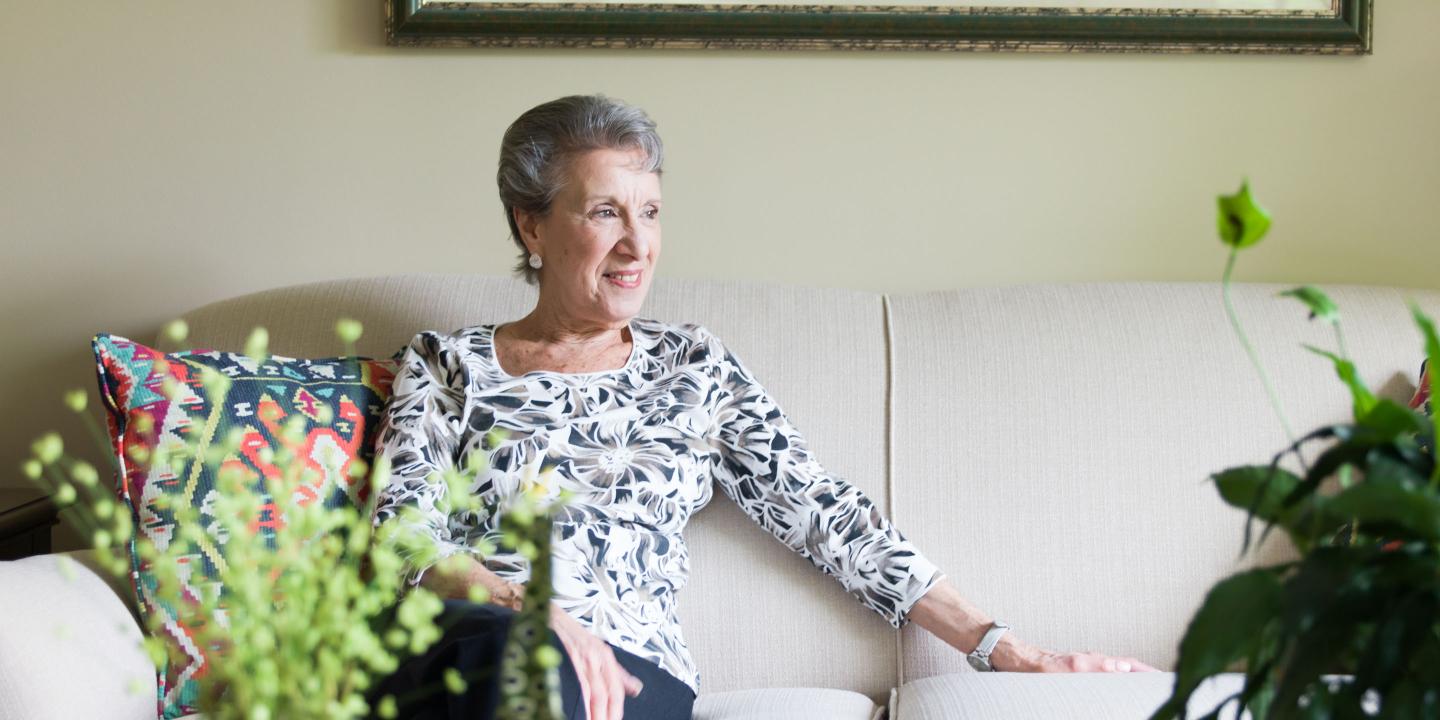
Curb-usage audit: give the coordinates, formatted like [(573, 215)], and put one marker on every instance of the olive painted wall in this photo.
[(157, 156)]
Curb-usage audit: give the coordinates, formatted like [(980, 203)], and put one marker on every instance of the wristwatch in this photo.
[(980, 657)]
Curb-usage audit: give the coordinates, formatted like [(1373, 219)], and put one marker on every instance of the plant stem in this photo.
[(1250, 349)]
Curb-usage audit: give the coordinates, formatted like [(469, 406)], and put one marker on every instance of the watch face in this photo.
[(980, 664)]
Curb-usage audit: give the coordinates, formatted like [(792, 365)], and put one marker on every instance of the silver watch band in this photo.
[(980, 657)]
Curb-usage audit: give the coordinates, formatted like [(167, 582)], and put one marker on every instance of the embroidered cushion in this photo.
[(335, 401)]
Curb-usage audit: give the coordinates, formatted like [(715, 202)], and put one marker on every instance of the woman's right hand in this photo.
[(454, 576), (604, 682)]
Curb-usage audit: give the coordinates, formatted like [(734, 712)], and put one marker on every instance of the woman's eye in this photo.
[(652, 213), (605, 212)]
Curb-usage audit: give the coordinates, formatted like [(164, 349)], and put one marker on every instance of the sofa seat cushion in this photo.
[(773, 704), (785, 704), (1076, 696)]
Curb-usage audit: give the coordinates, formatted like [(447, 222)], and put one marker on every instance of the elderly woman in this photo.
[(640, 419)]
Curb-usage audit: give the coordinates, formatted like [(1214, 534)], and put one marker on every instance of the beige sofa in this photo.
[(1047, 446)]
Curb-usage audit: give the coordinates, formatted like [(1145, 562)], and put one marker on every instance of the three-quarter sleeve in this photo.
[(762, 462), (420, 436)]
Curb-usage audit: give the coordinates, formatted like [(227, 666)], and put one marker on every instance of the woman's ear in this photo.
[(529, 224)]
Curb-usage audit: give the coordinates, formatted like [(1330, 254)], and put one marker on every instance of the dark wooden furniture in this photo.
[(26, 518)]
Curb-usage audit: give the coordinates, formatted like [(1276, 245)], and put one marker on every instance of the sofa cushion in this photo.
[(335, 401), (1044, 696), (774, 704), (70, 648), (785, 704)]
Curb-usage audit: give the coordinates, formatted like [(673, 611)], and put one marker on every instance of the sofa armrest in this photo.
[(69, 646)]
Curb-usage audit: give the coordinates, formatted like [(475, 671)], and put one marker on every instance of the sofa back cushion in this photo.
[(754, 614), (1053, 443)]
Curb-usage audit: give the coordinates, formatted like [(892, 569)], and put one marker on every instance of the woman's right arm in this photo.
[(454, 576), (420, 437)]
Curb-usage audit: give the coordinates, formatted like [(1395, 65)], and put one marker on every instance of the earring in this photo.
[(535, 261)]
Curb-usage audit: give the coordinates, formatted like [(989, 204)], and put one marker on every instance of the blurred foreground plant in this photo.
[(306, 610), (1351, 629)]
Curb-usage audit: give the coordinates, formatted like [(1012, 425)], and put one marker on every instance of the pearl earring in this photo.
[(535, 261)]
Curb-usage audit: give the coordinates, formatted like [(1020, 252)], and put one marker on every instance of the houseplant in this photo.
[(1352, 628), (303, 608)]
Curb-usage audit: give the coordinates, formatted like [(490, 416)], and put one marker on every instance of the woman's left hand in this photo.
[(1036, 660), (949, 616)]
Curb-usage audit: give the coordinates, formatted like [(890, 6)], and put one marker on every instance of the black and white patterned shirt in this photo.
[(639, 446)]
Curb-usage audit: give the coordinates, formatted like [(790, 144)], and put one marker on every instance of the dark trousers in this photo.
[(473, 642)]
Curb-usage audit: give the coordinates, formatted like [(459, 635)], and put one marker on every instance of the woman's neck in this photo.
[(548, 328), (540, 341)]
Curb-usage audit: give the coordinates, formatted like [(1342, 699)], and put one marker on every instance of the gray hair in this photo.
[(537, 148)]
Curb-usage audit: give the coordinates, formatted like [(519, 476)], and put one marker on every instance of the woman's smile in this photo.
[(628, 280)]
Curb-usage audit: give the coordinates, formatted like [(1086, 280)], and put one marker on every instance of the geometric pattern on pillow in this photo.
[(263, 396)]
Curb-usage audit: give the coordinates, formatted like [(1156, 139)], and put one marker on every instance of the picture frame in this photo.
[(1162, 26)]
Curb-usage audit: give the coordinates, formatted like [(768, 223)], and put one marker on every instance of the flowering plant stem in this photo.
[(1249, 348)]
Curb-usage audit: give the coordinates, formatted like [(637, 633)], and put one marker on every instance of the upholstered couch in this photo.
[(1046, 445)]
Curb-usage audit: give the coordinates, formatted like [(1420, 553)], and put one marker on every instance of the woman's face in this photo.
[(601, 239)]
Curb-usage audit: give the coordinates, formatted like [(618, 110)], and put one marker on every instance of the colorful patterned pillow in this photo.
[(1421, 401), (337, 402)]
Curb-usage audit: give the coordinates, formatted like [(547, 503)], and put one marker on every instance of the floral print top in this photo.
[(641, 448)]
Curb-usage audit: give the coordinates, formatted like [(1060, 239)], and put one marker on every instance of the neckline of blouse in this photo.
[(489, 337)]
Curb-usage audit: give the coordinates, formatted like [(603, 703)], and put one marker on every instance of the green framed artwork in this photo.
[(1334, 27)]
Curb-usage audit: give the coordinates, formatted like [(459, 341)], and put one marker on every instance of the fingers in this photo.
[(584, 691), (576, 655), (599, 706), (633, 686), (614, 687), (1123, 664), (1083, 662), (604, 682)]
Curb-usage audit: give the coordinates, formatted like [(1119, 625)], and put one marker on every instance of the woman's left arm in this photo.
[(762, 462), (765, 466), (946, 614)]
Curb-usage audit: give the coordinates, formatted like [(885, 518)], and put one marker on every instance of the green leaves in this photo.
[(76, 400), (1432, 354), (175, 331), (1257, 489), (1261, 491), (1227, 628), (48, 448), (1427, 329), (1389, 420), (304, 590), (348, 330), (1398, 510), (1240, 221), (1321, 307), (257, 344), (1364, 400)]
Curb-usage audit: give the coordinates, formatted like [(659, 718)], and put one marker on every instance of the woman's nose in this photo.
[(635, 241)]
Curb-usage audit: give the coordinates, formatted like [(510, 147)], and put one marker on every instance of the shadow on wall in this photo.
[(356, 28)]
